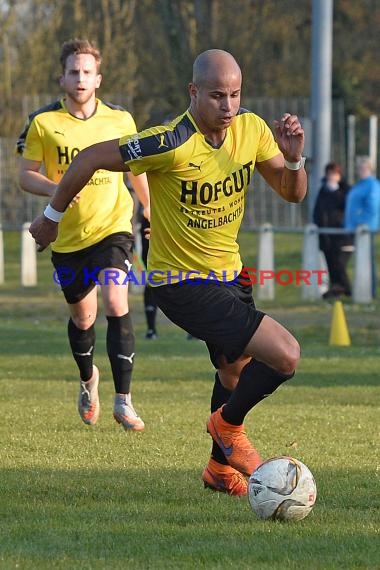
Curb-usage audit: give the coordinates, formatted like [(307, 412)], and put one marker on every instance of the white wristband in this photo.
[(295, 165), (52, 214)]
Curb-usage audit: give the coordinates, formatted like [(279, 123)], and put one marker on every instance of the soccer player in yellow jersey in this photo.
[(95, 234), (199, 168)]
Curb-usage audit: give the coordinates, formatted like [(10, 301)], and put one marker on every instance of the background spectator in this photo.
[(363, 205), (329, 213)]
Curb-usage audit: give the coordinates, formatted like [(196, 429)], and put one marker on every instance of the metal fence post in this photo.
[(351, 148), (373, 142), (311, 263), (362, 285), (266, 277), (28, 258)]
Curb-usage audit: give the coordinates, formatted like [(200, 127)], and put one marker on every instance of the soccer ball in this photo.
[(282, 488)]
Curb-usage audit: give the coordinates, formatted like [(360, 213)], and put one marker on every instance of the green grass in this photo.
[(73, 497)]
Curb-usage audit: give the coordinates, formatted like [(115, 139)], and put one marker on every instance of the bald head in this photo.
[(214, 65), (215, 93)]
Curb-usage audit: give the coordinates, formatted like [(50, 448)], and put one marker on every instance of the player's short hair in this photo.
[(76, 47)]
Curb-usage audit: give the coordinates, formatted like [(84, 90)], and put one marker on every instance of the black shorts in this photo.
[(77, 271), (222, 314)]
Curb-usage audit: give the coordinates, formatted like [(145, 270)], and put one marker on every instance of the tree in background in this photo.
[(148, 47)]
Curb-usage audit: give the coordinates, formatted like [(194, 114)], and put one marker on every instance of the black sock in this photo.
[(150, 308), (121, 351), (82, 344), (256, 382), (220, 396)]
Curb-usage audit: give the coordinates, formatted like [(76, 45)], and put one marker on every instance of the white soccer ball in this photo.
[(282, 488)]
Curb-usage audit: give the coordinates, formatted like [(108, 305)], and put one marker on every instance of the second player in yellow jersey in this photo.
[(95, 234), (54, 136)]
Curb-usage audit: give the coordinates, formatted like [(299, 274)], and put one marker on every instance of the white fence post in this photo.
[(373, 142), (28, 258), (325, 281), (311, 263), (362, 286), (265, 276), (1, 256)]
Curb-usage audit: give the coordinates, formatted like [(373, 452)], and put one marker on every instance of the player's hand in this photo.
[(147, 233), (44, 231), (290, 137)]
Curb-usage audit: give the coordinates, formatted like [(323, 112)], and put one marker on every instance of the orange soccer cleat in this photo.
[(234, 443), (225, 479)]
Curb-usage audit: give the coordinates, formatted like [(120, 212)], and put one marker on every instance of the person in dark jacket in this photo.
[(329, 213)]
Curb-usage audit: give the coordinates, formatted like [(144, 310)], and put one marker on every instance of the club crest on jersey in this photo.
[(194, 192)]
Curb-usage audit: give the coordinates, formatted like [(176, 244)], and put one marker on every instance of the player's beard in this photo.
[(80, 98)]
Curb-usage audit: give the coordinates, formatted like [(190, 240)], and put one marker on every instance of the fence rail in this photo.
[(263, 205), (312, 276)]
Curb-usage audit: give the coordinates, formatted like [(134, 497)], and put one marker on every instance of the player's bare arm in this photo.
[(104, 155), (289, 183), (32, 180)]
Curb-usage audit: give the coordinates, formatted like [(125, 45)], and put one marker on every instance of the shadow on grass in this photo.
[(161, 518), (177, 358)]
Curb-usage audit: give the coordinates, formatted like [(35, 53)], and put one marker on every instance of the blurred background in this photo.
[(148, 47)]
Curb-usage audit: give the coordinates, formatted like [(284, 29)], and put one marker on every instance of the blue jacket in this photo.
[(363, 205)]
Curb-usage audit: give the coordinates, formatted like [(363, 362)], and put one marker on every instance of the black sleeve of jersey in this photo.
[(20, 144)]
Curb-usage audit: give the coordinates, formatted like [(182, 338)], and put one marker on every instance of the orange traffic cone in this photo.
[(339, 335)]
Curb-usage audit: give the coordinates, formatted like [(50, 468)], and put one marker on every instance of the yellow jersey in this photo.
[(197, 193), (53, 136)]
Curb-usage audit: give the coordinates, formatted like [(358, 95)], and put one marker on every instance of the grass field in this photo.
[(74, 497)]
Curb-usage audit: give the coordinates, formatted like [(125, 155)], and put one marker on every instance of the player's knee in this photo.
[(290, 358), (83, 322), (228, 380), (114, 308), (228, 376), (229, 372)]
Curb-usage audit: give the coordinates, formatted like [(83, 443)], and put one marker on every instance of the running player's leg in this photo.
[(272, 364), (81, 333), (150, 308), (226, 379), (120, 344), (218, 474), (226, 318), (81, 299)]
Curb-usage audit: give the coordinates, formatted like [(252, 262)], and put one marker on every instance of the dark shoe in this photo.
[(151, 334)]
